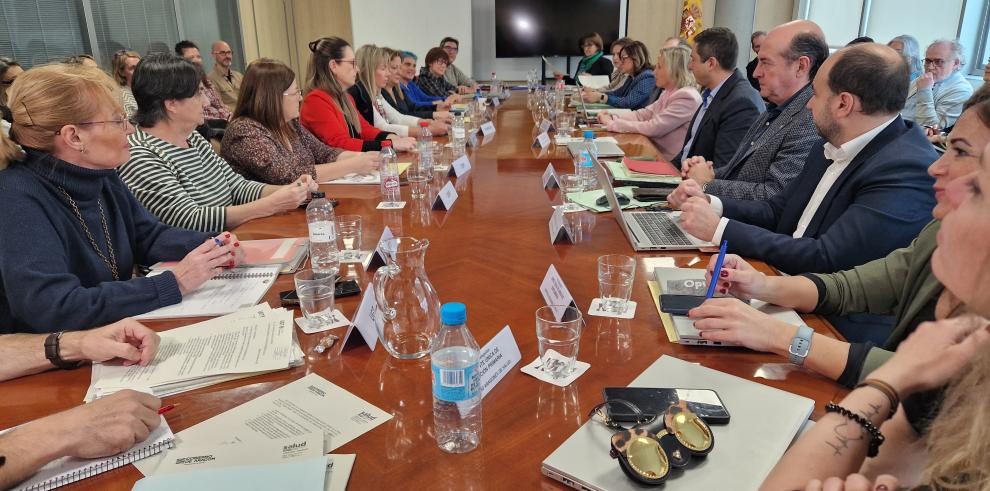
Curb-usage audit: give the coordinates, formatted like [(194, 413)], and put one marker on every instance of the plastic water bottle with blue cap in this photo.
[(584, 165), (456, 386)]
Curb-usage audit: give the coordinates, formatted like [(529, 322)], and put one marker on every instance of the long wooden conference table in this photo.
[(490, 251)]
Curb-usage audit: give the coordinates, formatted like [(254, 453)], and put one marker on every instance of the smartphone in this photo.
[(680, 304), (343, 289), (651, 194), (704, 402)]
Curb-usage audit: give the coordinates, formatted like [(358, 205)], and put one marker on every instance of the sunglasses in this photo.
[(656, 444)]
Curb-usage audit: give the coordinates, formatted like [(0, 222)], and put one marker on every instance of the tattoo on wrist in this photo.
[(848, 432)]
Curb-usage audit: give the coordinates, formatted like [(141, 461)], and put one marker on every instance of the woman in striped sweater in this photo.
[(174, 171)]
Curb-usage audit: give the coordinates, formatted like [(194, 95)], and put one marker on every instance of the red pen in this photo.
[(165, 409)]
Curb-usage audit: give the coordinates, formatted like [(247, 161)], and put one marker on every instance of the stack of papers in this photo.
[(288, 254), (227, 292), (594, 81), (622, 173), (247, 342)]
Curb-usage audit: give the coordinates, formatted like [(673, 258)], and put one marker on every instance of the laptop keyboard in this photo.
[(660, 229)]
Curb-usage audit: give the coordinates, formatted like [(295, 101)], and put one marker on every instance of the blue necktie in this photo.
[(705, 94)]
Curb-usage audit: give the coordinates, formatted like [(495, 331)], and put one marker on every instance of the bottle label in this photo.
[(586, 159), (458, 132), (391, 183), (322, 231), (454, 385)]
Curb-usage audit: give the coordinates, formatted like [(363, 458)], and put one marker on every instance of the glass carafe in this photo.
[(410, 306)]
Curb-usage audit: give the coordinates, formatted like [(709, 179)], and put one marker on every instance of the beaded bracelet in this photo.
[(887, 390), (876, 438)]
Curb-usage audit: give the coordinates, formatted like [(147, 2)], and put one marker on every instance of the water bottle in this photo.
[(456, 392), (425, 145), (459, 135), (323, 252), (496, 90), (388, 171), (584, 166)]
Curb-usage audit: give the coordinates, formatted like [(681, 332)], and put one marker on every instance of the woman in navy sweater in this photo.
[(72, 232), (634, 61)]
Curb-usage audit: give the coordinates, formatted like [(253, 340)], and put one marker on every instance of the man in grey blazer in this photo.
[(775, 147)]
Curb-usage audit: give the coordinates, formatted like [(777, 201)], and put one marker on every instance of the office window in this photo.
[(887, 21), (145, 26), (838, 18), (35, 32)]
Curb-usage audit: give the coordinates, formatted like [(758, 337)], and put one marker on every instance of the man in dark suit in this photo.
[(865, 193), (729, 105), (776, 146), (755, 42)]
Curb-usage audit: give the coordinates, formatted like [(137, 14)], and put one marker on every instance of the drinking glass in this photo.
[(615, 278), (315, 291), (419, 182), (439, 150), (570, 183), (565, 123), (349, 232), (558, 336)]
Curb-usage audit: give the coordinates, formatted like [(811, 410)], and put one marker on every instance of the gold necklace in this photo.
[(112, 262)]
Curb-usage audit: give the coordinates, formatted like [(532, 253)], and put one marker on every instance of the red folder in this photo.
[(656, 167)]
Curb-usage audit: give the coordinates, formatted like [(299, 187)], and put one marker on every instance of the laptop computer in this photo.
[(604, 148), (764, 422), (648, 230)]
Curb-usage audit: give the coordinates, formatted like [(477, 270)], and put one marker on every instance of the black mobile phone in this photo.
[(651, 194), (704, 402), (680, 304), (342, 289)]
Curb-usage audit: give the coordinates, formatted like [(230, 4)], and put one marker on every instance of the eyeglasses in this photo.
[(936, 62), (8, 82), (297, 92), (442, 62), (451, 49), (352, 62), (121, 123), (223, 53)]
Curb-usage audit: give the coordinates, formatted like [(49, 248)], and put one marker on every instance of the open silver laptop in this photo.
[(648, 230), (604, 149)]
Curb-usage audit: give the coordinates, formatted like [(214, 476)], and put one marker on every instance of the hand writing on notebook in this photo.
[(689, 188), (127, 340), (207, 261), (698, 218), (729, 320)]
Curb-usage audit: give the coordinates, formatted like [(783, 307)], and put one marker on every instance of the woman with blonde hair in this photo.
[(634, 61), (665, 121), (373, 76), (265, 141), (329, 111), (122, 67), (72, 232)]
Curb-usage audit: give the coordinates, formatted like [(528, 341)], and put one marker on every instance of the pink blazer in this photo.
[(665, 121)]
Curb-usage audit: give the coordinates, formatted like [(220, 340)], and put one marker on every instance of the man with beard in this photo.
[(862, 194)]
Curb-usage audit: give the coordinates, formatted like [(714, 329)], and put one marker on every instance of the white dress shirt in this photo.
[(840, 156)]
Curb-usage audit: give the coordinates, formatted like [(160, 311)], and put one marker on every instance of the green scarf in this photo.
[(586, 62)]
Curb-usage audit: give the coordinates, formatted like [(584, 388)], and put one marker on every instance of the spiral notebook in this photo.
[(228, 292), (69, 469)]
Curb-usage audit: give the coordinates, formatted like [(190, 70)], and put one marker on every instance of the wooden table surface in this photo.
[(491, 252)]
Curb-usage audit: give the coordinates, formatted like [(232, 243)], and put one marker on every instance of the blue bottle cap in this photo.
[(589, 134), (453, 313)]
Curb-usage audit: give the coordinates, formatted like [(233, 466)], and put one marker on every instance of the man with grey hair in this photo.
[(755, 43), (936, 97)]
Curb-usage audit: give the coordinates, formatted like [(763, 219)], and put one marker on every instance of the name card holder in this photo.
[(445, 198), (550, 179), (459, 167), (559, 233), (376, 260)]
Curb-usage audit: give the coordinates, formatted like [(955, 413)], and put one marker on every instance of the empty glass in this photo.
[(315, 291), (349, 233), (615, 278), (419, 182), (570, 183), (558, 340)]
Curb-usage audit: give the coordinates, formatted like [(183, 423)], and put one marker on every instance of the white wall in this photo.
[(414, 25)]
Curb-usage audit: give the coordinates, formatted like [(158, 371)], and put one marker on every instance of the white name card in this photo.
[(459, 166), (497, 358), (556, 293), (496, 102), (550, 179), (375, 260), (446, 197), (542, 140), (367, 320), (558, 230), (545, 126), (488, 128)]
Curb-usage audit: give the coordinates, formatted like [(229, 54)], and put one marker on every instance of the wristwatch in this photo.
[(800, 345), (53, 354)]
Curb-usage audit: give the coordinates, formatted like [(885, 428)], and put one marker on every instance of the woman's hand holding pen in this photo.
[(206, 261)]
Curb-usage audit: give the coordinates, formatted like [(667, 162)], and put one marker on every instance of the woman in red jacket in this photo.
[(328, 111)]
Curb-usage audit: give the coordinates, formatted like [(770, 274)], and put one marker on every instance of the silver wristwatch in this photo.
[(801, 345)]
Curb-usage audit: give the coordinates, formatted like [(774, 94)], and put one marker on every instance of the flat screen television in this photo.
[(525, 28)]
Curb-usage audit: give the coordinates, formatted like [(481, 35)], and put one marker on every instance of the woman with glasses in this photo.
[(666, 120), (431, 78), (373, 76), (634, 61), (394, 94), (593, 62), (328, 110), (265, 141), (72, 232), (174, 171), (618, 77), (122, 67)]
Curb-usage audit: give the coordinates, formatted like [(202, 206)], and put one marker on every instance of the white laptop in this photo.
[(605, 148), (686, 332), (763, 423), (648, 230)]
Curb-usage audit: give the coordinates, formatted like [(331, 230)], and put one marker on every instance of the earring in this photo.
[(82, 149)]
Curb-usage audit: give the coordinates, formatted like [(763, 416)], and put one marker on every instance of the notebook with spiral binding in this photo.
[(227, 292), (69, 469)]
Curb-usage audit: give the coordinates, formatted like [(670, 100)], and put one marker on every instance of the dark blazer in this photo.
[(730, 114), (363, 102), (406, 106), (750, 69), (879, 203)]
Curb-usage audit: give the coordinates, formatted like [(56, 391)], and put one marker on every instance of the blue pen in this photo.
[(218, 241), (718, 269)]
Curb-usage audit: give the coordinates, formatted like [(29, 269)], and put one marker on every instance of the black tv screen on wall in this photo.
[(526, 28)]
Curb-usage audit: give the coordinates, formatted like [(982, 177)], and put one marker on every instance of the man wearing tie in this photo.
[(729, 105)]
